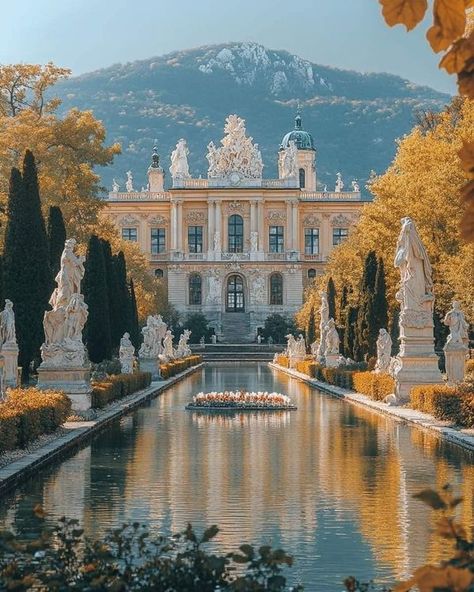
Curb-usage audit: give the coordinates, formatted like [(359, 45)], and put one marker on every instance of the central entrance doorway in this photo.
[(235, 294)]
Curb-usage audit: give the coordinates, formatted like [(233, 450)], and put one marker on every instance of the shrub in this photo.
[(117, 387), (283, 360), (277, 327), (176, 366), (374, 385), (447, 403), (308, 367), (338, 376), (470, 366), (28, 413)]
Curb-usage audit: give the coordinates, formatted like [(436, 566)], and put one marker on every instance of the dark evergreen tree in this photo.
[(56, 238), (97, 331), (332, 299), (311, 327), (380, 299), (27, 274), (135, 334), (351, 346), (124, 298), (118, 317), (366, 331), (2, 298), (394, 330), (341, 320)]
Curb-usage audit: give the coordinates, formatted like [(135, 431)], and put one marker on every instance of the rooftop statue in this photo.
[(237, 154), (289, 160), (179, 168), (339, 183), (129, 182)]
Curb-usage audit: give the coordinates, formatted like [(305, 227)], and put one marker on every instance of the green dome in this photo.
[(304, 140)]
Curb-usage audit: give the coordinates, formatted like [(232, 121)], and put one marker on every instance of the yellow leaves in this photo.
[(430, 579), (449, 23), (403, 12)]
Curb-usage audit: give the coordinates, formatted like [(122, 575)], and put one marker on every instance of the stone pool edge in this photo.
[(463, 438), (13, 473)]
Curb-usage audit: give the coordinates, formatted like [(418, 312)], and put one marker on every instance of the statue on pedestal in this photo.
[(126, 354), (339, 183), (384, 351), (168, 350), (332, 338), (153, 333), (7, 324), (179, 168), (289, 161), (129, 182), (8, 347), (183, 350), (115, 186), (457, 344)]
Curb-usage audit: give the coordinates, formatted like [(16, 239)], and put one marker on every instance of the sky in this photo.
[(85, 35)]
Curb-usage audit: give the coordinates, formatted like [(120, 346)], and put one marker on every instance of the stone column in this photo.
[(253, 226), (288, 225), (173, 226), (210, 228), (218, 227), (179, 226), (261, 226), (295, 242)]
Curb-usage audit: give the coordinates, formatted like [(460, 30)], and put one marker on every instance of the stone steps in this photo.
[(236, 328)]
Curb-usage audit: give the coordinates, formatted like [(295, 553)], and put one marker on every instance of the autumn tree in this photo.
[(56, 238), (27, 274)]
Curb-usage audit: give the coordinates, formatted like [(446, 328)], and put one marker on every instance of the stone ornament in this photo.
[(311, 220), (129, 182), (217, 241), (457, 344), (340, 221), (257, 288), (115, 186), (195, 216), (157, 220), (179, 168), (126, 354), (168, 350), (384, 351), (254, 241), (289, 161), (183, 350), (153, 333), (332, 339), (129, 220), (355, 187), (8, 347), (7, 324), (339, 183), (213, 292), (237, 157), (276, 216), (63, 324)]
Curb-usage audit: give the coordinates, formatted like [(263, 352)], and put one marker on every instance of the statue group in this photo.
[(179, 168)]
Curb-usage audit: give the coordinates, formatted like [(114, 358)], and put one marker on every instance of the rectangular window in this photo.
[(339, 235), (130, 234), (276, 239), (158, 241), (195, 239), (311, 241)]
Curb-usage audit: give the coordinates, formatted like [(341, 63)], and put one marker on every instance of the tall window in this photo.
[(276, 288), (311, 274), (195, 239), (302, 175), (236, 234), (158, 273), (339, 235), (158, 241), (130, 234), (311, 241), (276, 239), (195, 289)]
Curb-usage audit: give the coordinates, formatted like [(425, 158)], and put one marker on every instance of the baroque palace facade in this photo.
[(235, 246)]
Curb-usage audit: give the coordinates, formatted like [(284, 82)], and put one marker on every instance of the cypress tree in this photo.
[(135, 335), (117, 318), (365, 318), (380, 299), (27, 275), (332, 299), (394, 330), (311, 327), (124, 303), (98, 339), (56, 237), (351, 347)]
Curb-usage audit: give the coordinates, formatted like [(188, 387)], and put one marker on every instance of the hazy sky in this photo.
[(88, 34)]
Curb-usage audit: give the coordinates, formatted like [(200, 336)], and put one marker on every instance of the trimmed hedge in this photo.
[(470, 366), (172, 368), (447, 403), (375, 385), (28, 413), (118, 386)]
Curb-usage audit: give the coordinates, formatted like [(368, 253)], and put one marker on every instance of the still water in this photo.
[(330, 483)]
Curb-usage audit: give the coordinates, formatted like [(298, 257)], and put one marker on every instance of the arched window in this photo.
[(235, 294), (236, 234), (158, 273), (276, 289), (311, 274), (302, 174), (195, 289)]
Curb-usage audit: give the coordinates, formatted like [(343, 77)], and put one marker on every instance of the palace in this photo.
[(235, 246)]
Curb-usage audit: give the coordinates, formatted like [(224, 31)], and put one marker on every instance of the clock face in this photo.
[(234, 178)]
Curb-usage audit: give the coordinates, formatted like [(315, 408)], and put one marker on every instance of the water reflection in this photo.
[(331, 483)]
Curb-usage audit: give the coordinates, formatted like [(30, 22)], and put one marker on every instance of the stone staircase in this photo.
[(237, 352), (236, 328)]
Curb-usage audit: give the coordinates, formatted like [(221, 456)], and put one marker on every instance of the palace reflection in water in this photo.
[(330, 483)]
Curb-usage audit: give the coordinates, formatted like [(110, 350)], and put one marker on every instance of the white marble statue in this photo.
[(63, 326), (289, 161), (183, 350), (179, 168), (254, 241), (301, 346), (458, 326), (237, 153), (168, 350), (7, 324), (129, 182), (115, 186), (291, 345), (339, 183), (153, 333), (355, 187), (126, 354), (384, 351), (217, 241), (314, 348), (332, 339), (323, 321), (213, 293), (416, 283)]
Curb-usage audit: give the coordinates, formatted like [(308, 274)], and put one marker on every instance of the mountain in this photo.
[(354, 118)]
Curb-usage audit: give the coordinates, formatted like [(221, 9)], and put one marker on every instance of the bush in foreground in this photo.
[(175, 367), (376, 386), (30, 413), (118, 386), (447, 403)]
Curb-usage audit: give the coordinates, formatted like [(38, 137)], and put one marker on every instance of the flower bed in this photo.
[(172, 368), (241, 400), (118, 386), (28, 413), (448, 403)]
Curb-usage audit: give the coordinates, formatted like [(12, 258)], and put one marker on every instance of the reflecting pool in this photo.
[(330, 483)]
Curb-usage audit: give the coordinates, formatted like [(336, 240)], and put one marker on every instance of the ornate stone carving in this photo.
[(384, 351), (213, 292), (168, 350), (179, 168), (276, 216), (257, 286), (126, 354), (355, 186), (195, 216), (311, 220), (238, 155), (341, 220), (153, 333), (183, 348), (157, 220), (289, 161), (129, 220), (235, 207), (254, 241)]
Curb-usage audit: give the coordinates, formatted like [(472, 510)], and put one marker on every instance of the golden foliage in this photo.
[(375, 386), (404, 12)]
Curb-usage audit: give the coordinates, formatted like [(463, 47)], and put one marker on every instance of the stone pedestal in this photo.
[(151, 365), (9, 352), (332, 360), (75, 382), (455, 362)]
